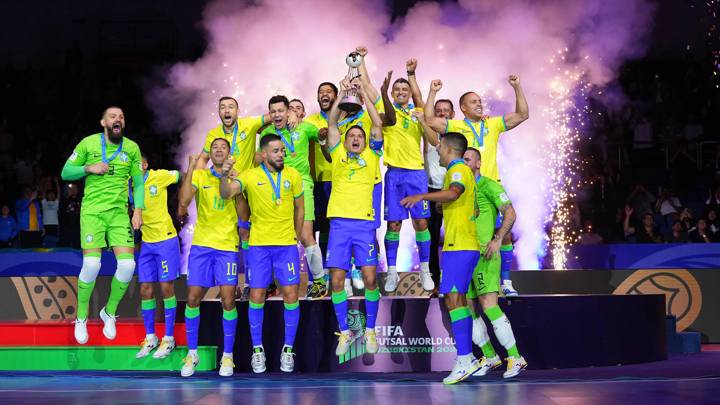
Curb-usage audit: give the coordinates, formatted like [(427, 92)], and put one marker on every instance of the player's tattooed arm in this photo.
[(509, 216), (333, 134), (450, 194), (186, 188), (437, 124), (411, 66), (376, 131), (299, 216), (522, 111), (228, 188), (388, 117), (364, 76)]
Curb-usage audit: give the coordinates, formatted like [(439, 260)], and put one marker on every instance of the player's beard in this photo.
[(113, 136), (277, 166)]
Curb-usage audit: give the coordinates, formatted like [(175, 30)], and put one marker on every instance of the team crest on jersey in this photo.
[(286, 184), (295, 136), (153, 190), (242, 136), (88, 238), (124, 157), (456, 176), (73, 156), (504, 198)]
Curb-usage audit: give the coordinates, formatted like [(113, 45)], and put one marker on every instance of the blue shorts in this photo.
[(159, 261), (351, 238), (208, 267), (401, 183), (377, 203), (264, 261), (322, 198), (458, 267)]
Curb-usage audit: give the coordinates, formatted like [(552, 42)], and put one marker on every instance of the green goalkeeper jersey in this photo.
[(110, 190), (490, 196)]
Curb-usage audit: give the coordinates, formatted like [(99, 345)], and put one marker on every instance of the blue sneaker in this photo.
[(507, 289)]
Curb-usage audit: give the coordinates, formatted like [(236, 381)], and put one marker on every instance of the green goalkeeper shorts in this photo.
[(309, 199), (112, 226), (486, 277)]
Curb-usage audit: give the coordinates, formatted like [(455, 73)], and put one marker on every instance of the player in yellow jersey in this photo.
[(159, 260), (275, 195), (212, 260), (327, 94), (461, 250), (352, 228), (405, 174), (483, 133)]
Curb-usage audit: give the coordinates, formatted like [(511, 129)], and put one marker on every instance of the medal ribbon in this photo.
[(275, 186), (104, 150)]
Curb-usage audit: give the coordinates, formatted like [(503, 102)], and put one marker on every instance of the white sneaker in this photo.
[(371, 344), (81, 334), (345, 339), (167, 345), (348, 288), (462, 371), (508, 290), (488, 364), (109, 329), (427, 282), (189, 363), (514, 366), (391, 281), (146, 347), (226, 366), (257, 361), (357, 280), (287, 360)]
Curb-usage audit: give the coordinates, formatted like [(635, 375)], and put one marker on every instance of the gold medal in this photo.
[(293, 154), (278, 202)]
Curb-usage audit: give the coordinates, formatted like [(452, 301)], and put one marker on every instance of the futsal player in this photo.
[(275, 196), (213, 253), (483, 134), (106, 161)]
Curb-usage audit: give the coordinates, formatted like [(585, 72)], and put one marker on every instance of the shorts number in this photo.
[(426, 206), (291, 268), (218, 203), (232, 269), (371, 251), (164, 266)]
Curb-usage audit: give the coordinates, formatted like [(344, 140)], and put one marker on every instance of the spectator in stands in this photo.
[(50, 206), (29, 219), (700, 234), (588, 235), (646, 232), (70, 217), (713, 224), (668, 205), (687, 219), (713, 200), (641, 202), (677, 234), (8, 228)]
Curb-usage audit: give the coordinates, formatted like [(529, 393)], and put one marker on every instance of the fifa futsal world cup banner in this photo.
[(412, 334)]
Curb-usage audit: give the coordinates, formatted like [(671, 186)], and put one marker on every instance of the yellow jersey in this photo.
[(352, 183), (273, 223), (402, 140), (217, 221), (157, 224), (459, 215), (242, 140), (484, 138)]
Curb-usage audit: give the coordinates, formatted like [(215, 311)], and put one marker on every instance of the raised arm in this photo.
[(364, 76), (228, 188), (522, 111), (430, 136), (186, 188), (334, 136), (437, 124), (411, 66), (377, 123)]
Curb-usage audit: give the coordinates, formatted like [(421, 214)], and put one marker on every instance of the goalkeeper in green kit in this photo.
[(107, 161), (490, 198)]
